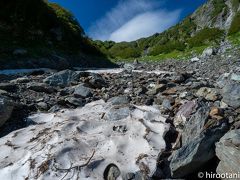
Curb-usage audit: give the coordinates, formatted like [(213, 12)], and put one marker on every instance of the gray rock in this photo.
[(156, 89), (178, 78), (167, 104), (119, 100), (75, 101), (222, 80), (2, 92), (196, 152), (231, 94), (198, 137), (40, 87), (116, 113), (184, 113), (62, 78), (235, 77), (97, 81), (82, 91), (195, 59), (20, 80), (42, 106), (6, 108), (20, 52), (195, 125), (111, 172), (210, 94), (209, 52), (227, 150), (10, 87)]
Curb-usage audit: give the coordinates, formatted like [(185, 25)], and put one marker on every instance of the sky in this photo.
[(128, 20)]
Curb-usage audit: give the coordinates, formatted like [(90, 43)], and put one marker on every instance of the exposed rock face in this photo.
[(209, 16), (72, 137), (198, 137), (6, 108), (227, 150), (62, 78)]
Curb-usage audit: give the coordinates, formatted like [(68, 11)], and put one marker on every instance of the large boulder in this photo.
[(228, 151), (6, 108), (62, 78), (198, 137)]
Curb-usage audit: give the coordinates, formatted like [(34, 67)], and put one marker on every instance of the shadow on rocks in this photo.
[(17, 120)]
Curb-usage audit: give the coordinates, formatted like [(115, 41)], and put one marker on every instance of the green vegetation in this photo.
[(125, 50), (235, 4), (235, 26), (41, 28), (235, 39), (176, 54), (205, 36), (219, 6), (167, 48)]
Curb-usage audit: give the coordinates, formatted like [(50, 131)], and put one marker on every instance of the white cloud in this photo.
[(145, 25), (133, 19)]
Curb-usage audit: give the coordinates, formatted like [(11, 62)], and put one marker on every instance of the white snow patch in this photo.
[(22, 71), (120, 70), (68, 138)]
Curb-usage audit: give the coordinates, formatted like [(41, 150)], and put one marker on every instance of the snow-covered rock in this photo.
[(82, 143)]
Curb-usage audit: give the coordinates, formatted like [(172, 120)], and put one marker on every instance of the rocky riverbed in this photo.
[(142, 121)]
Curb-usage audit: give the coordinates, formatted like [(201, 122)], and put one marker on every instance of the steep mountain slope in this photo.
[(36, 33), (208, 25)]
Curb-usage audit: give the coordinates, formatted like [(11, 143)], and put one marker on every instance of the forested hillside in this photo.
[(38, 29)]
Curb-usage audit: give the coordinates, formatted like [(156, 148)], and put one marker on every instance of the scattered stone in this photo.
[(40, 87), (111, 172), (208, 52), (62, 78), (216, 113), (119, 100), (210, 94), (97, 81), (223, 80), (231, 94), (9, 87), (42, 106), (195, 59), (20, 80), (156, 89), (82, 91), (75, 101), (20, 52)]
